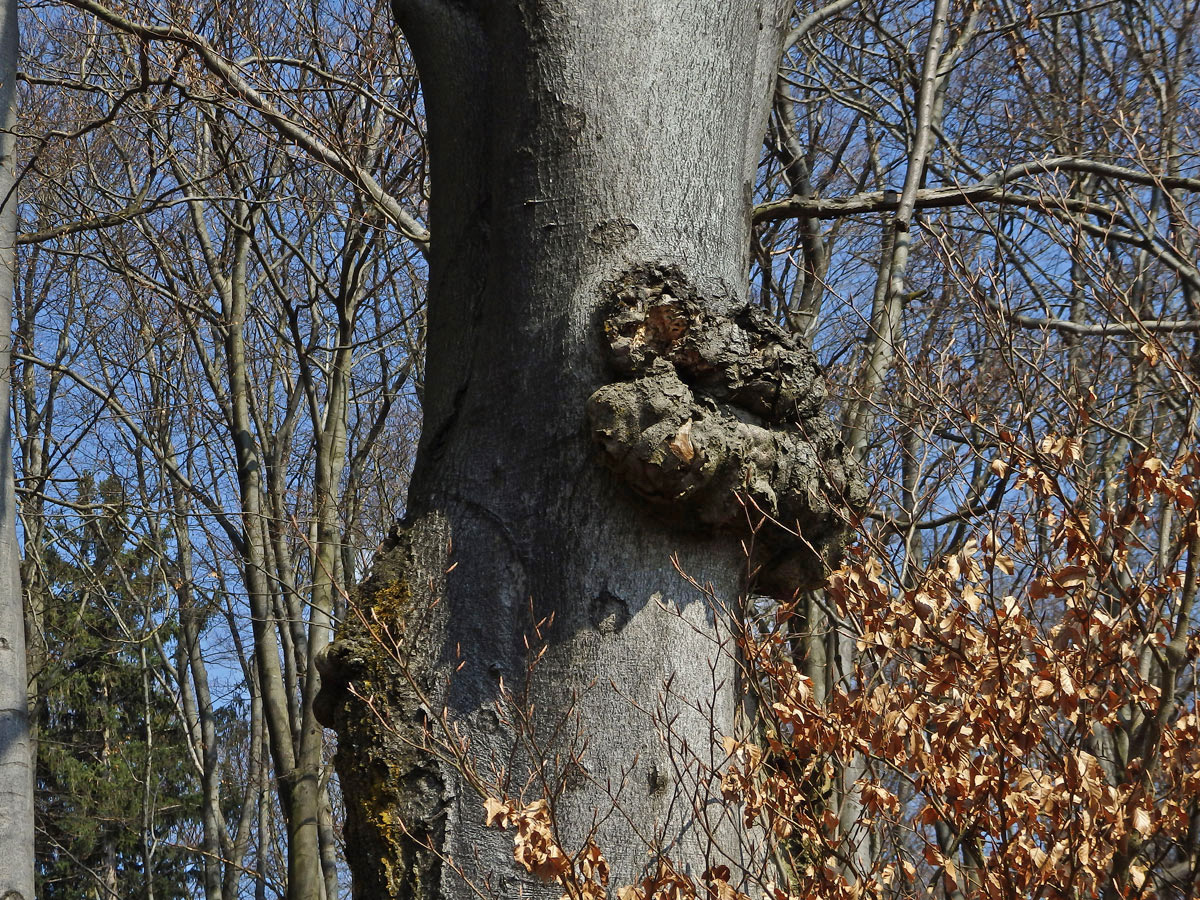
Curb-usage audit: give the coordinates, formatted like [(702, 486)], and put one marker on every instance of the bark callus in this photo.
[(377, 680), (718, 421)]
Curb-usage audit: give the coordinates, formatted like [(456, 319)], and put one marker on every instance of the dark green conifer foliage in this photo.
[(116, 795)]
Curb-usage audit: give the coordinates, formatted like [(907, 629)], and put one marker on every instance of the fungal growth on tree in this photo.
[(719, 420)]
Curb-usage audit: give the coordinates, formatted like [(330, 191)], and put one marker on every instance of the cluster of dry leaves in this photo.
[(1021, 717), (585, 875)]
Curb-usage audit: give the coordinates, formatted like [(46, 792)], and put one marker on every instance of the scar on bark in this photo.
[(718, 421)]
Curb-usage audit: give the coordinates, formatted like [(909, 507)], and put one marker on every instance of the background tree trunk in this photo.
[(572, 146), (16, 769)]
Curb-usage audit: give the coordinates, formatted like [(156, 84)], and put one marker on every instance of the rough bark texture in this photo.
[(575, 146), (718, 420), (397, 795), (16, 766)]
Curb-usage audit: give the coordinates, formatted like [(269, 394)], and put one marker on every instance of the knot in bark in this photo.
[(717, 420)]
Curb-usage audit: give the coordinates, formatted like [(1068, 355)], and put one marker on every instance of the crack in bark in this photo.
[(717, 420)]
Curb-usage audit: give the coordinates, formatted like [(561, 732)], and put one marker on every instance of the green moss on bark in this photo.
[(377, 679)]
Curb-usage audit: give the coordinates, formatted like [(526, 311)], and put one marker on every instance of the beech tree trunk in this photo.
[(16, 765), (598, 398)]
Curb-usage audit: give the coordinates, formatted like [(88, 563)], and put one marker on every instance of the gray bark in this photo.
[(593, 168), (16, 764)]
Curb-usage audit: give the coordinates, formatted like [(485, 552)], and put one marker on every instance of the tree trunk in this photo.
[(16, 765), (593, 169)]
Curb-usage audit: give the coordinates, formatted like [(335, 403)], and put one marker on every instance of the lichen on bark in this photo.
[(717, 419), (377, 680)]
